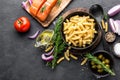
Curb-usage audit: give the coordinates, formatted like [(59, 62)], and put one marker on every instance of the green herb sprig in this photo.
[(97, 61), (106, 17), (58, 42)]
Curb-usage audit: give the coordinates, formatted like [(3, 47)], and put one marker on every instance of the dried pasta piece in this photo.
[(74, 57), (60, 60)]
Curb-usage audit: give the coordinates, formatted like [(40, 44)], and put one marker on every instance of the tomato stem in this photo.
[(19, 21)]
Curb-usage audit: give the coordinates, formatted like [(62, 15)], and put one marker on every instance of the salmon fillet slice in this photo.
[(36, 5), (45, 10)]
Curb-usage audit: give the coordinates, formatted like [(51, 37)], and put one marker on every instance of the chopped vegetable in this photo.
[(112, 26), (24, 5), (30, 1), (117, 26), (114, 10), (34, 35), (47, 58), (49, 53)]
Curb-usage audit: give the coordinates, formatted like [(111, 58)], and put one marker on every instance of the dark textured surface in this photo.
[(19, 60)]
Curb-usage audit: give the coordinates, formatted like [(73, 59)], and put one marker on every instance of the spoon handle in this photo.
[(104, 43)]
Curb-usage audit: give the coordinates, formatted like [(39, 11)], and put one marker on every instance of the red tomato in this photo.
[(22, 24)]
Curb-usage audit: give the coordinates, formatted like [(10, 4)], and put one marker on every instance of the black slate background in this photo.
[(20, 60)]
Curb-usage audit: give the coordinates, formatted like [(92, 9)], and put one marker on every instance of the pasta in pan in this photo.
[(79, 30)]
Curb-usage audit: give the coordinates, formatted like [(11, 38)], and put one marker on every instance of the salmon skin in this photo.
[(36, 5), (46, 9)]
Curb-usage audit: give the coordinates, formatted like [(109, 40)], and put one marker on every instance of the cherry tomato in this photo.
[(22, 24)]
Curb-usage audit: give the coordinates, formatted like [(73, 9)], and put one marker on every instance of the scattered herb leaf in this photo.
[(59, 2), (43, 9), (106, 16)]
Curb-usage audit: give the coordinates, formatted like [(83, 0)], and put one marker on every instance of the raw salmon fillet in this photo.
[(46, 9), (36, 5)]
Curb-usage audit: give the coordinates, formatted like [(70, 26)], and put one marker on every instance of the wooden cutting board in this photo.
[(53, 14)]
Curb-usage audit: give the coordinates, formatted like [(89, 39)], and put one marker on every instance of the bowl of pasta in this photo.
[(80, 30)]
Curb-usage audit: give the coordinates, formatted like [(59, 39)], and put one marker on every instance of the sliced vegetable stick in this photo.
[(103, 24), (84, 61), (66, 57), (60, 59), (106, 26), (49, 48), (74, 57)]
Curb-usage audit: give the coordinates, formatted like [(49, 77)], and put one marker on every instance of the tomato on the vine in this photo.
[(22, 24)]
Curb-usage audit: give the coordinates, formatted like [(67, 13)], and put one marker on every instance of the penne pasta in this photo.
[(79, 30)]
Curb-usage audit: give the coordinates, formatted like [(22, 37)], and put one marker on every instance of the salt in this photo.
[(117, 49)]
